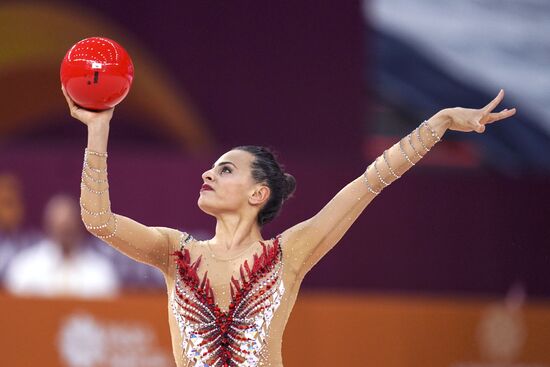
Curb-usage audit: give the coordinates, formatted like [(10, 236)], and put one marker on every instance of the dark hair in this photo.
[(266, 169)]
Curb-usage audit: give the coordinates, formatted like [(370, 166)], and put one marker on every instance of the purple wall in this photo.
[(290, 75), (432, 231), (282, 74)]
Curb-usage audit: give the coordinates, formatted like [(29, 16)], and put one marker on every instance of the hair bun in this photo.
[(290, 186), (265, 169)]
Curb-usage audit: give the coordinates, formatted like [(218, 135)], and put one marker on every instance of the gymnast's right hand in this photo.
[(85, 116)]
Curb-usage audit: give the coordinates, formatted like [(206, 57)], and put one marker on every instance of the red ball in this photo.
[(97, 73)]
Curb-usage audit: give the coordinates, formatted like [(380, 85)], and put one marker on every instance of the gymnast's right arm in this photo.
[(150, 245)]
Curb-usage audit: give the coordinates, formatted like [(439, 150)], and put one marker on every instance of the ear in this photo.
[(259, 196)]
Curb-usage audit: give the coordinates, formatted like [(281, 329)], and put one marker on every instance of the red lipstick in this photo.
[(206, 187)]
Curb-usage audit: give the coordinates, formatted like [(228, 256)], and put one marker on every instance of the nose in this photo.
[(207, 175)]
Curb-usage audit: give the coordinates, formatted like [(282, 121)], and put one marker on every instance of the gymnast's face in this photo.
[(229, 186)]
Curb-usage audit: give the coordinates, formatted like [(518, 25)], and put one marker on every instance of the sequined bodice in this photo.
[(236, 336)]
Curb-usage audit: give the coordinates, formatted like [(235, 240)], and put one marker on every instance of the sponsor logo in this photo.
[(85, 341)]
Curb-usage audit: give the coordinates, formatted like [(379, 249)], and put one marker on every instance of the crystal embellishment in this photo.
[(212, 337)]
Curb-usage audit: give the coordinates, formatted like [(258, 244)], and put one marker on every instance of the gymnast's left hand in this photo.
[(468, 119)]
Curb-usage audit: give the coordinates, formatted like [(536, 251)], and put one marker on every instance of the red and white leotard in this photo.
[(229, 311)]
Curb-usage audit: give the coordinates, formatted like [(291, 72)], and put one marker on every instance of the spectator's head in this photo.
[(62, 221), (11, 203)]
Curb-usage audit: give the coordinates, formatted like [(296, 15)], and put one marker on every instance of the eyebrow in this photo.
[(222, 163)]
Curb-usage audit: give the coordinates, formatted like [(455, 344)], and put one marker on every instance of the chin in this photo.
[(205, 206), (216, 207)]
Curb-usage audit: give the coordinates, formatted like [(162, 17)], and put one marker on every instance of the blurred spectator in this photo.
[(59, 264), (132, 274), (11, 204), (12, 237)]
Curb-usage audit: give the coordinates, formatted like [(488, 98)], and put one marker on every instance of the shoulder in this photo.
[(175, 237), (289, 245)]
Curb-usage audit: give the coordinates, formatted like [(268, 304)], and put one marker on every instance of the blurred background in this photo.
[(449, 267)]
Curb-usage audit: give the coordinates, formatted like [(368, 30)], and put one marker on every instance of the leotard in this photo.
[(229, 311)]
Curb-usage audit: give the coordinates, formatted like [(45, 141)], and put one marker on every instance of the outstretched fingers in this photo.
[(491, 105), (496, 116)]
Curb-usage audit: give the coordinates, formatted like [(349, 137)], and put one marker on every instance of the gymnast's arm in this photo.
[(150, 245), (307, 242)]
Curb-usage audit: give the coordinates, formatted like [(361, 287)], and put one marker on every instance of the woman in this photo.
[(230, 296)]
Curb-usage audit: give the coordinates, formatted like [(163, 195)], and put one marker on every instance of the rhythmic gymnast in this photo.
[(229, 297)]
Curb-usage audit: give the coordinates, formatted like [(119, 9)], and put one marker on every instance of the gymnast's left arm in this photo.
[(307, 242)]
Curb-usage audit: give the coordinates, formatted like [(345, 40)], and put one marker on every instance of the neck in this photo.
[(235, 231)]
